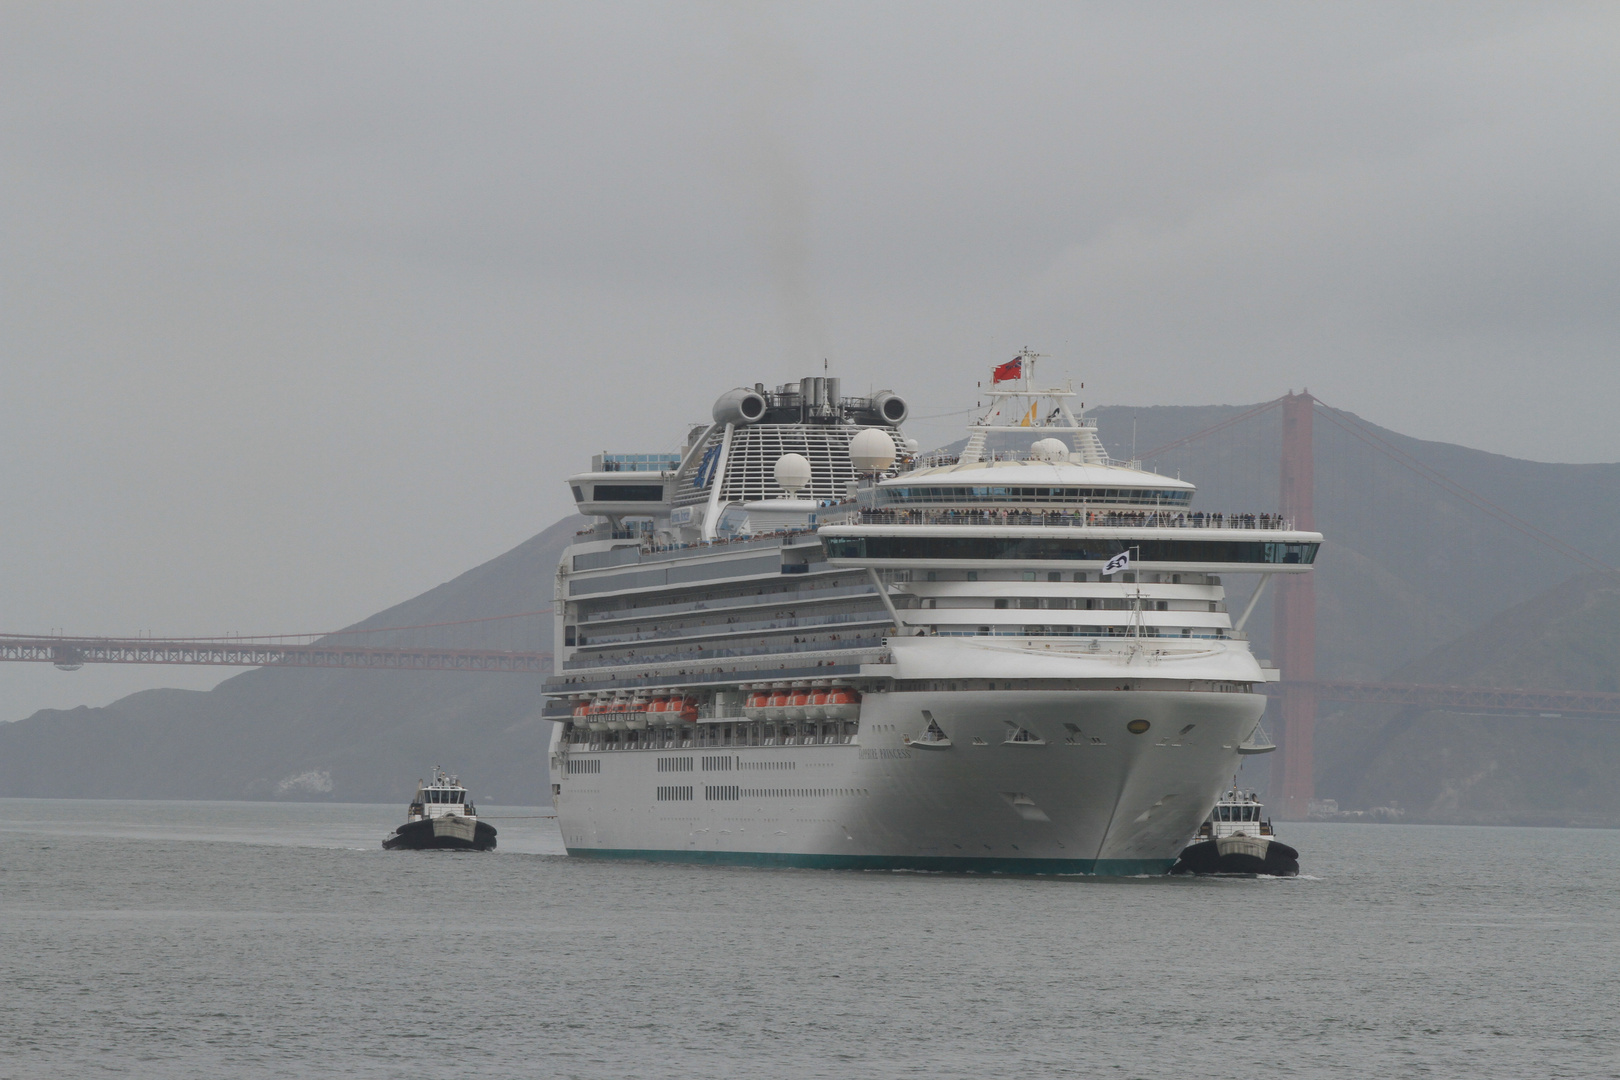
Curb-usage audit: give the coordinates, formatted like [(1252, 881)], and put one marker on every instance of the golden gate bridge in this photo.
[(1298, 692)]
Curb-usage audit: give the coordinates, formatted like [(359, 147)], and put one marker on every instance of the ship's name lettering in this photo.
[(875, 755)]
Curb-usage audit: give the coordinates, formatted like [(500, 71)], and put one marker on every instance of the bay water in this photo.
[(195, 939)]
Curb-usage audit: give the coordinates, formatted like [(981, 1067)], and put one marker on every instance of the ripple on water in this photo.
[(246, 939)]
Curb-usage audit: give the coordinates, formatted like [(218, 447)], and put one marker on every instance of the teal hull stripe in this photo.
[(942, 864)]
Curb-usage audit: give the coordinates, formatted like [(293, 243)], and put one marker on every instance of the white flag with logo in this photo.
[(1119, 562)]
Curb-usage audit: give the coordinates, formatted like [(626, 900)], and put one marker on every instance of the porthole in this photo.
[(1137, 727)]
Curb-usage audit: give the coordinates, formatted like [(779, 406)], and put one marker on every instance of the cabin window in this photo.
[(1054, 575), (1001, 603)]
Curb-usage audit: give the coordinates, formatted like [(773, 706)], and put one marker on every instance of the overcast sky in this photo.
[(309, 307)]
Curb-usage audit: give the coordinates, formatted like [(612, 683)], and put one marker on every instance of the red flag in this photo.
[(1012, 369)]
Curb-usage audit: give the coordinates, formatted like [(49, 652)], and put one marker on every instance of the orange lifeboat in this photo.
[(597, 712), (776, 705), (816, 707), (689, 710), (754, 707), (797, 699), (635, 715), (843, 704)]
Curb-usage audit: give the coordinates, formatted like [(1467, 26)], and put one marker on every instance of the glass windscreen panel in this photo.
[(1055, 549), (938, 494)]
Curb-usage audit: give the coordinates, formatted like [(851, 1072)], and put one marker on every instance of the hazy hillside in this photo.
[(1407, 569), (1449, 767), (343, 735)]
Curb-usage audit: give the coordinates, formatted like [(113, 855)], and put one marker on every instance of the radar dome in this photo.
[(1049, 450), (871, 450), (792, 472)]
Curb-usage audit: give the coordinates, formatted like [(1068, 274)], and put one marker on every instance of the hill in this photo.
[(352, 736), (1408, 571), (1407, 566), (1479, 769)]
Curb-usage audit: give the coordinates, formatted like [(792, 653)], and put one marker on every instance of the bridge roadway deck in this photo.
[(71, 653), (74, 652)]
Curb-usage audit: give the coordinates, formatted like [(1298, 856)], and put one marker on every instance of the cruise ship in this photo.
[(794, 640)]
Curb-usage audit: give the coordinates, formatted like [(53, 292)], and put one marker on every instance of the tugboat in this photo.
[(441, 816), (1237, 839)]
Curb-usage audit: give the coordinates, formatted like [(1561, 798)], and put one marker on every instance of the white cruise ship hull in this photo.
[(1029, 781), (794, 641)]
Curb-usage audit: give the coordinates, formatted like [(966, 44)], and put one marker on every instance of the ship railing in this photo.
[(851, 643), (876, 614), (806, 592), (1079, 518), (1098, 636)]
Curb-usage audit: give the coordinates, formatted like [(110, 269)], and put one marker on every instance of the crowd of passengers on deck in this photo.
[(1125, 518)]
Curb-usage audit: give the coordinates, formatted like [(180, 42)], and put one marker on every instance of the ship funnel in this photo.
[(739, 406), (892, 407)]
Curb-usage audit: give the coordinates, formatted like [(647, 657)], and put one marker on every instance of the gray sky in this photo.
[(307, 308)]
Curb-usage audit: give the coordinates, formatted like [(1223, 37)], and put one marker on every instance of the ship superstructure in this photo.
[(795, 641)]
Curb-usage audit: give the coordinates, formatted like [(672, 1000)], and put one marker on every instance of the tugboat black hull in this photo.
[(442, 834), (1240, 856)]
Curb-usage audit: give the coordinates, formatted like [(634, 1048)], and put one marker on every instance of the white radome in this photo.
[(871, 450), (792, 472), (1049, 450)]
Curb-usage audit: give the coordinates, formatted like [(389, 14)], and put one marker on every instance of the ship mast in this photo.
[(1022, 405)]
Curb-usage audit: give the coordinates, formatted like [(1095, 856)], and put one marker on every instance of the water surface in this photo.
[(181, 939)]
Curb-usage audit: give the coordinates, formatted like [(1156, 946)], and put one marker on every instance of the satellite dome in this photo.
[(871, 450), (792, 472), (1049, 450)]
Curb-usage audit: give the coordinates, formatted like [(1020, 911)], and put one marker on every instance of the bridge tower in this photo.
[(1294, 619)]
